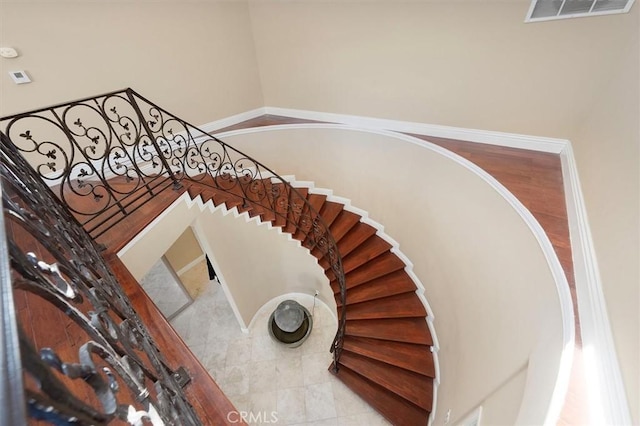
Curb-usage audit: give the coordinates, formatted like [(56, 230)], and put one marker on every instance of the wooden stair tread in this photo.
[(194, 192), (297, 205), (230, 201), (414, 330), (280, 197), (383, 265), (328, 212), (315, 201), (343, 223), (394, 408), (370, 249), (417, 358), (405, 305), (356, 236), (397, 282), (414, 387)]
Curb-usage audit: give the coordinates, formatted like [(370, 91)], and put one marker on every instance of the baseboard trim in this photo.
[(232, 120), (602, 369), (190, 265), (512, 140)]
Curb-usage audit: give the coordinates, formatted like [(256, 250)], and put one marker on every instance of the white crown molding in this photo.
[(512, 140), (602, 369)]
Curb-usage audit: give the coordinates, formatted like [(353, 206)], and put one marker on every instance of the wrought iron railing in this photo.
[(79, 353), (107, 156)]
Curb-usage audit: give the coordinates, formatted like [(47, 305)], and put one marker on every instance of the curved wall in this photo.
[(257, 264), (254, 264), (493, 293)]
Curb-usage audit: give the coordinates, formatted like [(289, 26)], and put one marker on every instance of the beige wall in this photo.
[(607, 150), (471, 64), (257, 264), (184, 251), (494, 300), (194, 58), (149, 246), (477, 65)]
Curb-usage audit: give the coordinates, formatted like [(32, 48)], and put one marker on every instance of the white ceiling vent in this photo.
[(545, 10)]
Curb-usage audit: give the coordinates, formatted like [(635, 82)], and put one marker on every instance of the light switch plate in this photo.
[(19, 77)]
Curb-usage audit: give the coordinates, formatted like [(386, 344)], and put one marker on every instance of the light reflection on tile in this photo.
[(163, 289), (262, 377), (319, 402)]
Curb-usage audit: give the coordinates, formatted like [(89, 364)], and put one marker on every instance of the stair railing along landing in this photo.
[(108, 155), (72, 350)]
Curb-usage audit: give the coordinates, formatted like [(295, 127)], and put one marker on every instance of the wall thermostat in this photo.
[(19, 77)]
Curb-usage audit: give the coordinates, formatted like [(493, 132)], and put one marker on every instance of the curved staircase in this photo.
[(386, 357), (124, 153)]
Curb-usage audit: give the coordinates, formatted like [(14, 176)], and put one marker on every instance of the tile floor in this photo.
[(163, 289), (271, 383)]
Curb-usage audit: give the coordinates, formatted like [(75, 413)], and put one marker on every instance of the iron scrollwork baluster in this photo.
[(55, 261), (176, 182), (164, 151)]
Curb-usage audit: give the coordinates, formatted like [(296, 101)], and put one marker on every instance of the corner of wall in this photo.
[(602, 369)]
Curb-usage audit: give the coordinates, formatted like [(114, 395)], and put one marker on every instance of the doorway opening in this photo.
[(179, 277)]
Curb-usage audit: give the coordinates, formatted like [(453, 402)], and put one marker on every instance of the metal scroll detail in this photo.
[(93, 149), (100, 364), (108, 155)]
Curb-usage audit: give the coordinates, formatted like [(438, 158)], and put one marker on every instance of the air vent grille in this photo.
[(545, 10)]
